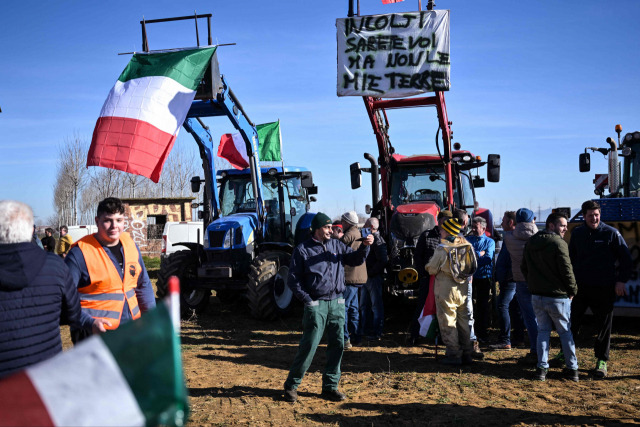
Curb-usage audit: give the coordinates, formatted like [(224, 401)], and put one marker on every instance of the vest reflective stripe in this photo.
[(107, 292), (102, 297), (104, 314)]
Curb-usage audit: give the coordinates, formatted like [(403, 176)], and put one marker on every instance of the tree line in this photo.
[(78, 189)]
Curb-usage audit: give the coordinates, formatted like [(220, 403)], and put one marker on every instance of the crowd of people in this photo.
[(544, 284), (93, 285)]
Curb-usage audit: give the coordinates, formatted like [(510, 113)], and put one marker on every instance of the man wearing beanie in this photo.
[(316, 277), (355, 277), (453, 263), (515, 241)]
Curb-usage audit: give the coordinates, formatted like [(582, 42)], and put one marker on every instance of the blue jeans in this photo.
[(371, 303), (554, 311), (472, 332), (350, 312), (528, 316), (507, 292)]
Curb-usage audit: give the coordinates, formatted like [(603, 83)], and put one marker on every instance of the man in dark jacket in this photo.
[(371, 306), (36, 292), (595, 249), (547, 267), (48, 242), (316, 277)]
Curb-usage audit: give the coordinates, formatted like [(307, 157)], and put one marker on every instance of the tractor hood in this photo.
[(410, 220), (233, 231)]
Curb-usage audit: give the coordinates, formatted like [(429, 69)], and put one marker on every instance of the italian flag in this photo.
[(131, 376), (234, 149), (142, 115), (428, 321)]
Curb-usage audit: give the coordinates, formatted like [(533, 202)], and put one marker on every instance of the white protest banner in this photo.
[(393, 55)]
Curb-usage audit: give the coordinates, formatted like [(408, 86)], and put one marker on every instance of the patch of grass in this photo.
[(152, 263)]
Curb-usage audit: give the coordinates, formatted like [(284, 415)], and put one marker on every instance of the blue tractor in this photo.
[(252, 218)]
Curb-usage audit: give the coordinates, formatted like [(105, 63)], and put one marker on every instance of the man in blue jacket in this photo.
[(36, 294), (316, 277), (595, 248), (484, 248)]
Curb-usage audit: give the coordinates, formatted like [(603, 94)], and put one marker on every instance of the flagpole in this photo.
[(281, 152)]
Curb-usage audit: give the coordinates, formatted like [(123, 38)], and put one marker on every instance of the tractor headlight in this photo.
[(228, 238)]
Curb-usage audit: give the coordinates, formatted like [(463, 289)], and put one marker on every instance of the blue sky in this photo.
[(533, 81)]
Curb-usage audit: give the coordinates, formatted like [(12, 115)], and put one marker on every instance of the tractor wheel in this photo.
[(183, 264), (267, 292)]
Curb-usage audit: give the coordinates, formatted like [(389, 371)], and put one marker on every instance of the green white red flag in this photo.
[(131, 376), (145, 109), (233, 148)]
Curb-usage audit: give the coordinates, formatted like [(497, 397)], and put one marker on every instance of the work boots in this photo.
[(476, 353)]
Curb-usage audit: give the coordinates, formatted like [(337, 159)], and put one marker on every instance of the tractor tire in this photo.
[(183, 264), (267, 294)]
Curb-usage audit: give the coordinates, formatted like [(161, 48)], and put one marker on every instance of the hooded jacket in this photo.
[(515, 241), (440, 264), (547, 267), (37, 294), (354, 276)]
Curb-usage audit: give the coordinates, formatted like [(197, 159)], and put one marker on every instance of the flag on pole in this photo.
[(391, 1), (270, 142), (234, 150), (427, 320), (142, 115), (131, 376)]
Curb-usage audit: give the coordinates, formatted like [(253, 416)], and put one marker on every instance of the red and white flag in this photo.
[(391, 1), (234, 150)]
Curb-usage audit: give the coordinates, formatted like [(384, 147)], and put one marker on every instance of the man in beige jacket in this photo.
[(453, 264)]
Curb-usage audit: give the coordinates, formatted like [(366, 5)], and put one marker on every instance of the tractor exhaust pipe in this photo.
[(375, 191)]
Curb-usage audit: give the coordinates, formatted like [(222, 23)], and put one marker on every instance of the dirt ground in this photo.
[(235, 368)]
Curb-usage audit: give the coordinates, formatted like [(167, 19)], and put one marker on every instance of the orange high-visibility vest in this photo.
[(104, 298)]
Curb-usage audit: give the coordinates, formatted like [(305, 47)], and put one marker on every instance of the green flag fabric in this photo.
[(269, 136)]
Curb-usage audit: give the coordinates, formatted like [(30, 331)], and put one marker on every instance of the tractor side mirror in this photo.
[(367, 209), (292, 212), (313, 199), (306, 180), (585, 162), (356, 175), (478, 182), (312, 190), (195, 184), (493, 168)]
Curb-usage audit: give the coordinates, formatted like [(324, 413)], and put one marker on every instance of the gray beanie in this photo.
[(350, 217)]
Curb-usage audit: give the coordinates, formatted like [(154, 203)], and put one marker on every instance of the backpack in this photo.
[(462, 262)]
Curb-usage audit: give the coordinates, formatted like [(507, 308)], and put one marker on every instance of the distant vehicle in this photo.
[(77, 232), (175, 233)]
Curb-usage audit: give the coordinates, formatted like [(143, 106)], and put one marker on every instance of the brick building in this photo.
[(145, 219)]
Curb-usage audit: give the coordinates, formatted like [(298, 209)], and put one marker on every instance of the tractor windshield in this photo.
[(427, 183), (236, 195), (634, 169)]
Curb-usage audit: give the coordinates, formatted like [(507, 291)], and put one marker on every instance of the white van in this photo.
[(176, 232), (77, 232)]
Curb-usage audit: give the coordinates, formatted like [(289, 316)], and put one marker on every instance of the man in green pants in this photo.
[(316, 277)]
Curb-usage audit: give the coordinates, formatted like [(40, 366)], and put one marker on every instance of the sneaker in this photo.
[(333, 395), (347, 345), (501, 346), (451, 361), (571, 374), (541, 374), (557, 361), (476, 353), (290, 395), (601, 369)]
